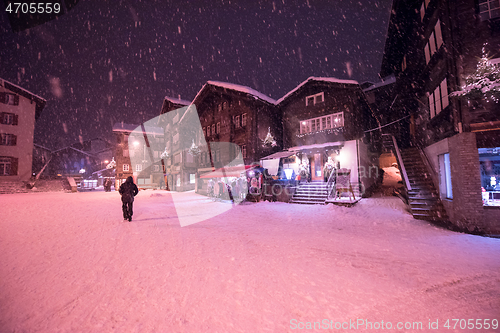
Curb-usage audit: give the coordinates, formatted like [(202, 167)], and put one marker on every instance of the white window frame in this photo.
[(218, 128), (445, 185), (7, 139), (243, 120), (8, 118), (237, 121), (156, 168), (213, 129), (138, 167), (313, 99), (126, 167), (331, 121), (488, 10), (5, 166), (208, 131)]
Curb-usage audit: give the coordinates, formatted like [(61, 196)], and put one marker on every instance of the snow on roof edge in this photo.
[(18, 87), (122, 127), (390, 80), (316, 78), (177, 100), (243, 89)]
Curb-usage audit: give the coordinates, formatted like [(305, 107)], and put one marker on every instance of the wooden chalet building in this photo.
[(181, 127), (432, 45), (324, 124), (235, 121), (138, 154)]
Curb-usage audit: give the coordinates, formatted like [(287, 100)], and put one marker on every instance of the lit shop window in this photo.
[(489, 164)]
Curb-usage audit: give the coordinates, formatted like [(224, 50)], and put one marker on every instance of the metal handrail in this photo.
[(400, 163), (329, 183)]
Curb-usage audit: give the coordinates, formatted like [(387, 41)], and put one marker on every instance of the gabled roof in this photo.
[(236, 87), (177, 101), (320, 79), (390, 80), (122, 127), (40, 102)]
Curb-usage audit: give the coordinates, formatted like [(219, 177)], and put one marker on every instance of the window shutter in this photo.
[(432, 43), (431, 105), (14, 166), (439, 36), (437, 99), (427, 53), (16, 99), (1, 117), (444, 93), (3, 97), (16, 120)]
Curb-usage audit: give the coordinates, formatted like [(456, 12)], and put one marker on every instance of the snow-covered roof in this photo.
[(40, 102), (318, 145), (388, 81), (316, 78), (177, 100), (3, 81), (122, 127), (240, 88)]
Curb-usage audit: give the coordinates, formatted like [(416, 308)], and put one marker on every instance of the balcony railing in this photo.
[(328, 122)]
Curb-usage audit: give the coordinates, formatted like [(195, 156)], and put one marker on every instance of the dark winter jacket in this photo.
[(128, 190)]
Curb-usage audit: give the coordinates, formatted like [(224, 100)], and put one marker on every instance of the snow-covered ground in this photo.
[(70, 264)]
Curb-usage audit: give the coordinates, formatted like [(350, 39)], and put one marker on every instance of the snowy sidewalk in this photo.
[(70, 264)]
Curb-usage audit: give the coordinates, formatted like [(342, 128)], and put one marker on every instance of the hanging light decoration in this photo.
[(165, 154), (111, 164), (269, 140), (194, 150)]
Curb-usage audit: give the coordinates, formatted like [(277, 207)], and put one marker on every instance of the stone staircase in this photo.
[(312, 193), (12, 186), (423, 198)]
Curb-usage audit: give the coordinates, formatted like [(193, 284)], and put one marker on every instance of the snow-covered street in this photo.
[(70, 264)]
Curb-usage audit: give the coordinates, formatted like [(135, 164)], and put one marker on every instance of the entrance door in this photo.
[(316, 167)]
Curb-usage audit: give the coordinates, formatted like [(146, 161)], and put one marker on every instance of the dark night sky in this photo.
[(110, 61)]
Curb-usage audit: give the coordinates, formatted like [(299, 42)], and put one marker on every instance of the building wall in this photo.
[(23, 150), (466, 181), (337, 98), (368, 168)]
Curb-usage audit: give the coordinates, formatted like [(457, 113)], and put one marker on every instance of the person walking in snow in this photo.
[(128, 190)]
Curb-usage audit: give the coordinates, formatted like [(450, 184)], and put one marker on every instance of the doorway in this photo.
[(317, 167)]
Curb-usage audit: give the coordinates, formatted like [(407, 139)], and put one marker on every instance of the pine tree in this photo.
[(484, 82)]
